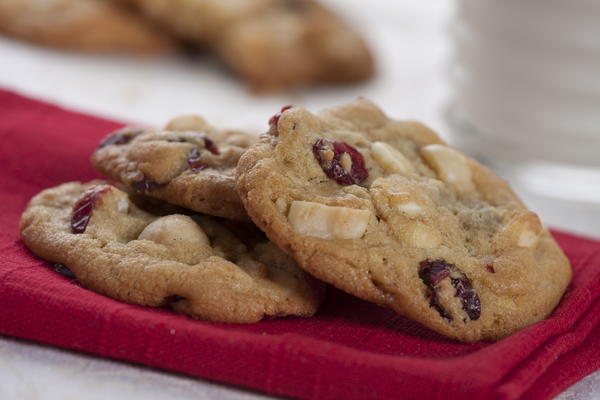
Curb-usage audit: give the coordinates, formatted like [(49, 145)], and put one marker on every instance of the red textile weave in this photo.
[(351, 349)]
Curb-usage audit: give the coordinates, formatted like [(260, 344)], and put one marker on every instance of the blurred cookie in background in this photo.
[(88, 25), (272, 44)]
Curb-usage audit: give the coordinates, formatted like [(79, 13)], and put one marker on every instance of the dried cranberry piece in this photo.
[(468, 298), (439, 276), (208, 144), (170, 300), (82, 210), (211, 146), (118, 138), (490, 268), (275, 118), (348, 170), (146, 184), (195, 159), (195, 162), (433, 272), (176, 140), (175, 298), (64, 270)]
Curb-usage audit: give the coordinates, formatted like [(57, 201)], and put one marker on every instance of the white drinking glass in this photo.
[(525, 99)]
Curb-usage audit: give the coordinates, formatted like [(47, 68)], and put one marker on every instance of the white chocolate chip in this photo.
[(281, 205), (355, 190), (417, 234), (327, 154), (390, 159), (528, 238), (523, 230), (450, 165), (401, 200), (123, 205), (328, 222), (530, 228), (410, 208), (174, 230), (346, 162)]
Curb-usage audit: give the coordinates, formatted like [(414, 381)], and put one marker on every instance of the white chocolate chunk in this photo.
[(410, 208), (404, 203), (346, 162), (390, 159), (123, 205), (523, 230), (399, 199), (450, 165), (281, 205), (528, 238), (328, 222), (529, 227), (417, 234), (328, 154), (174, 230)]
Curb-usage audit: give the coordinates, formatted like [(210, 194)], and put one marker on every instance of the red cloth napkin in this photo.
[(350, 349)]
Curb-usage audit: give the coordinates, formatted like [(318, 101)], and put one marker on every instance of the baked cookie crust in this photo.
[(197, 265), (387, 211), (189, 163)]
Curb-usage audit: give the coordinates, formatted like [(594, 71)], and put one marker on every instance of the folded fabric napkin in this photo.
[(350, 349)]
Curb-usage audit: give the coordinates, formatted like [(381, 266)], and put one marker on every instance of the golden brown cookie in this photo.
[(189, 163), (90, 25), (270, 43), (387, 211), (197, 265)]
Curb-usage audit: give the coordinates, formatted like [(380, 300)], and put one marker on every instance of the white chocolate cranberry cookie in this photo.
[(189, 163), (270, 43), (387, 211), (90, 25), (197, 265)]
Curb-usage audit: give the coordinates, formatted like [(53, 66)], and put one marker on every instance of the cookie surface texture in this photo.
[(197, 265), (189, 164), (386, 211)]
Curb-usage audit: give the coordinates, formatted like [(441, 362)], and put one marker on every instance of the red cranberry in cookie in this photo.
[(340, 162), (275, 118), (433, 272), (120, 137), (195, 161), (82, 210), (211, 146)]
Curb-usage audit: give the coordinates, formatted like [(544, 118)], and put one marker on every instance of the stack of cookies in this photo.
[(219, 226), (272, 44)]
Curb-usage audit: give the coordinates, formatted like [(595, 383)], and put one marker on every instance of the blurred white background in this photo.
[(411, 45)]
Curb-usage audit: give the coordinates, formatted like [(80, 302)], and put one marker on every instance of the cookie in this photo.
[(270, 43), (90, 25), (189, 163), (194, 264), (386, 211)]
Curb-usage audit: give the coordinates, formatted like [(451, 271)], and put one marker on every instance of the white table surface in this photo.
[(411, 45)]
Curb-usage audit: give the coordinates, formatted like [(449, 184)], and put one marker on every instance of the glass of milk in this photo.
[(525, 99)]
